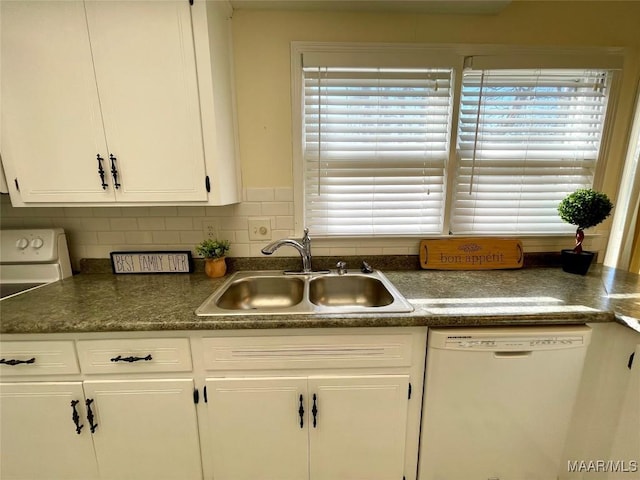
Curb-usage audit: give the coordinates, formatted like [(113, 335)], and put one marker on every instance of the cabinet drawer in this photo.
[(135, 355), (38, 358), (323, 351)]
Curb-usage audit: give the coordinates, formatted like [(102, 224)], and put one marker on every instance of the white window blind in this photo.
[(376, 142), (525, 140)]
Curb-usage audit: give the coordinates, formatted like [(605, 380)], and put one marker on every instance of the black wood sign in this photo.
[(152, 262)]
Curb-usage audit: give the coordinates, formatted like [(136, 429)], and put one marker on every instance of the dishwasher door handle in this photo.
[(517, 354)]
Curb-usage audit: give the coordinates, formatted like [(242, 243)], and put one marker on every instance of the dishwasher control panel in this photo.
[(510, 338)]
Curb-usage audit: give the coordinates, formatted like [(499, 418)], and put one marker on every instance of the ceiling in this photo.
[(463, 7)]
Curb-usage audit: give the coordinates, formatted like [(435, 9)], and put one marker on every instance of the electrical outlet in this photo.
[(259, 229), (210, 230)]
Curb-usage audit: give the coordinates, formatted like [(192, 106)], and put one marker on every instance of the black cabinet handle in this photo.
[(14, 362), (301, 412), (75, 417), (314, 411), (120, 358), (90, 417), (114, 171), (101, 172)]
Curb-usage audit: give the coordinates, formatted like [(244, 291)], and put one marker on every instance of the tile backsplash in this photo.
[(94, 232)]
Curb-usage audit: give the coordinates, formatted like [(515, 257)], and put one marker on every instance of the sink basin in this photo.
[(349, 290), (266, 292)]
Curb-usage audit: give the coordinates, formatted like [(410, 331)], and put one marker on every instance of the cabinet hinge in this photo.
[(631, 358), (15, 180), (196, 396), (409, 391), (204, 391), (207, 183)]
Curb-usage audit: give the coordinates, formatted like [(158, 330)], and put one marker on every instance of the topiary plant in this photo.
[(584, 208), (213, 248)]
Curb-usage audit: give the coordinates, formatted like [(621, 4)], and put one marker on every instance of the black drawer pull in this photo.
[(101, 172), (314, 411), (301, 412), (120, 358), (114, 171), (14, 362), (75, 417), (90, 417)]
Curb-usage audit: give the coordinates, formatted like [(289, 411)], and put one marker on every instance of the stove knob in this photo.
[(37, 243), (22, 243)]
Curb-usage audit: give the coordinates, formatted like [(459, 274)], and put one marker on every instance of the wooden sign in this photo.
[(482, 253), (152, 262)]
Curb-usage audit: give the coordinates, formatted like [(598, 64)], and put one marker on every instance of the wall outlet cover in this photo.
[(210, 230), (259, 229)]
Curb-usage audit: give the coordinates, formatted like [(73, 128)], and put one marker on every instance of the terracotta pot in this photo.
[(215, 267), (577, 263)]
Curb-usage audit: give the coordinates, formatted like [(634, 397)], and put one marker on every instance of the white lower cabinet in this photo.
[(146, 429), (39, 437), (334, 404), (321, 404), (360, 429), (256, 430), (125, 411), (132, 429), (322, 428)]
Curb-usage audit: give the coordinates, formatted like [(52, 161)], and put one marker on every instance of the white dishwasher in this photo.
[(498, 401)]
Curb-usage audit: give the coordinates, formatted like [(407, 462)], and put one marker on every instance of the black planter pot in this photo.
[(576, 262)]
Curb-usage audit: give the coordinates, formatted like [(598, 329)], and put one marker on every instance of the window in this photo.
[(526, 139), (401, 151), (376, 142)]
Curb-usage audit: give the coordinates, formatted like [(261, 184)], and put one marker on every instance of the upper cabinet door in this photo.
[(51, 124), (143, 53)]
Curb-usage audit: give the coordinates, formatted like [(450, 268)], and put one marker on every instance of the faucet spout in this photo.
[(303, 247)]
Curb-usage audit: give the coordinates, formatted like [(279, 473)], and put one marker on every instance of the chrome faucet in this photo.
[(303, 247)]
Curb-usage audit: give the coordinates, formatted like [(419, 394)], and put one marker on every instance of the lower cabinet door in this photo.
[(145, 429), (360, 427), (258, 430), (40, 436)]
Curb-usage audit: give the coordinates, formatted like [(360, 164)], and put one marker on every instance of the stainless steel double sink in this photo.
[(274, 292)]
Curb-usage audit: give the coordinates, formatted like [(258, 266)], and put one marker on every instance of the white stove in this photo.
[(32, 258)]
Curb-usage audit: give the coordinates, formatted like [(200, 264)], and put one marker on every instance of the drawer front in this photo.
[(38, 358), (323, 351), (135, 355)]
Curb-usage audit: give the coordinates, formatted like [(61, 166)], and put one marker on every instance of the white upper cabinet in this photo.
[(145, 68), (111, 102), (51, 123)]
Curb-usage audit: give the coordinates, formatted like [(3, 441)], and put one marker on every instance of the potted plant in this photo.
[(214, 252), (583, 208)]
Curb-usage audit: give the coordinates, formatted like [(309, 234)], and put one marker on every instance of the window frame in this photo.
[(456, 57)]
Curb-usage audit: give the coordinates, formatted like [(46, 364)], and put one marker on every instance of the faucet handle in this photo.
[(365, 267), (342, 267), (306, 240)]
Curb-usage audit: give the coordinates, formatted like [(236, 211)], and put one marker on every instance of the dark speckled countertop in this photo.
[(532, 296)]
